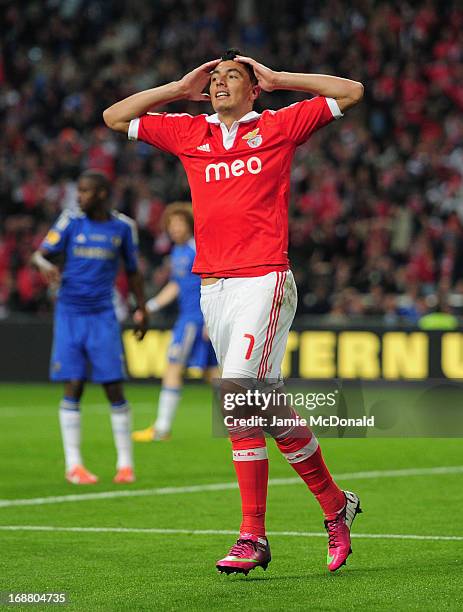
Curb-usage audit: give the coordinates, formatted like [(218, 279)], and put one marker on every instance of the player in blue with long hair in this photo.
[(190, 346), (86, 331)]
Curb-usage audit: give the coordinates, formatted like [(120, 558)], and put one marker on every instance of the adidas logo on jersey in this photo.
[(237, 168), (204, 147)]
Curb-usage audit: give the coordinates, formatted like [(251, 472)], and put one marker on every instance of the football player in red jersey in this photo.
[(238, 166)]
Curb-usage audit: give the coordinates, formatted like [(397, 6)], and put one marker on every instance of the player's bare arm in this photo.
[(347, 93), (140, 316), (166, 296), (190, 87), (49, 271)]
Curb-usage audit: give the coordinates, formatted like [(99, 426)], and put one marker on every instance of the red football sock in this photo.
[(305, 456), (251, 465)]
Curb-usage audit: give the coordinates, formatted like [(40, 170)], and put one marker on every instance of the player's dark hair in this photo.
[(230, 54), (182, 209), (100, 180)]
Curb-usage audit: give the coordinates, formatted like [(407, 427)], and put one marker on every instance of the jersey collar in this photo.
[(228, 136), (247, 117)]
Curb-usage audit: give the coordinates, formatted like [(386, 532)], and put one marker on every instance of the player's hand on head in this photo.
[(266, 77), (140, 319), (195, 81)]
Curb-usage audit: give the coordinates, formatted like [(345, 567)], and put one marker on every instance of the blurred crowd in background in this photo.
[(376, 211)]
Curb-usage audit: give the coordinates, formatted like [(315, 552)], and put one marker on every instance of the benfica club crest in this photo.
[(254, 139)]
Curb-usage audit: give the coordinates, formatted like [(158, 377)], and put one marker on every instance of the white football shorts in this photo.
[(248, 321)]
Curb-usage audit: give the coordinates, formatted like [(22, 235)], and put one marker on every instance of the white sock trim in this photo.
[(120, 407), (69, 405), (304, 453), (250, 454)]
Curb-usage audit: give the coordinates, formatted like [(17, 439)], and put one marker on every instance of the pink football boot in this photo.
[(338, 530), (248, 552)]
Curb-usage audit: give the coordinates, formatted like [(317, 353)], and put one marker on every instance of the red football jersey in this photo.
[(239, 180)]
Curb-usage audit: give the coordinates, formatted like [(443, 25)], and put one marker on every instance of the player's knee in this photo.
[(114, 392), (73, 389), (173, 376), (231, 396), (246, 437)]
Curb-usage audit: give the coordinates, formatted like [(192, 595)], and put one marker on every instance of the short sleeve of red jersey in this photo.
[(165, 131), (300, 120)]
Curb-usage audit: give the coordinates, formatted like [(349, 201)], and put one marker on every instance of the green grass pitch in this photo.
[(128, 570)]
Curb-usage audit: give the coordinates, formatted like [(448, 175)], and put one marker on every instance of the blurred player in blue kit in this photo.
[(86, 331), (190, 346)]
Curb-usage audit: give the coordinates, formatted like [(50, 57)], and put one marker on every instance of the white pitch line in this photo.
[(223, 486), (295, 534)]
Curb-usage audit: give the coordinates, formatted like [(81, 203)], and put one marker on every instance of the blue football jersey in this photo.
[(182, 258), (92, 251)]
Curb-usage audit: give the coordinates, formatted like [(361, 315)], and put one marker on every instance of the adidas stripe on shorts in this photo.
[(248, 321)]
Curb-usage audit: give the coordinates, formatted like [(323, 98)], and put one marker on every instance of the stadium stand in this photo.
[(377, 204)]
